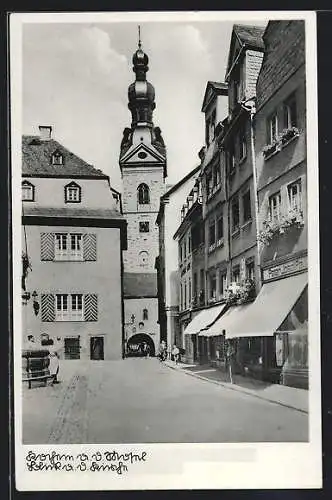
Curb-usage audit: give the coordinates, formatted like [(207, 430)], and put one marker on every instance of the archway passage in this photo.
[(135, 345)]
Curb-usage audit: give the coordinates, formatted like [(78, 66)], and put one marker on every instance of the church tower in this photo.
[(143, 168)]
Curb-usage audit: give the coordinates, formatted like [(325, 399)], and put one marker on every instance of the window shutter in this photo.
[(90, 307), (47, 246), (90, 246), (47, 307)]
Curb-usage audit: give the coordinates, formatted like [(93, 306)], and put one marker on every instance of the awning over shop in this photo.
[(203, 319), (274, 302), (224, 323)]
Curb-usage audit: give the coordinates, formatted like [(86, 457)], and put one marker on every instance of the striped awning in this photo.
[(203, 319)]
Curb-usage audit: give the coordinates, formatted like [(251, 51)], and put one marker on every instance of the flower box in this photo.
[(289, 134), (271, 149)]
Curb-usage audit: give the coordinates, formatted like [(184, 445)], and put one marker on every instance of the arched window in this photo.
[(145, 314), (143, 194)]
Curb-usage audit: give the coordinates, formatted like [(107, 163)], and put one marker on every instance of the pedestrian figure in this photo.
[(175, 353), (53, 366), (162, 351), (230, 354)]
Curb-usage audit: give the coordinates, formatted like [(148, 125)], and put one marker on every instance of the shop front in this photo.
[(271, 335), (197, 348)]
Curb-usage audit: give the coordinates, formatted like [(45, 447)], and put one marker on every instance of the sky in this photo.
[(76, 77)]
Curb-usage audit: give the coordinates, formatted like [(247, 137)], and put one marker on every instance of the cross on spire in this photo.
[(139, 37)]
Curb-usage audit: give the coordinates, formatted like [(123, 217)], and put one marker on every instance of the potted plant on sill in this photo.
[(271, 149), (293, 218), (288, 134)]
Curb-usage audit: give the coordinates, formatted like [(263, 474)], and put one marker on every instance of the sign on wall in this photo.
[(285, 269)]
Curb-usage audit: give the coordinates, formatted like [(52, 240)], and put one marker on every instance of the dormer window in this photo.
[(28, 191), (73, 193), (57, 158)]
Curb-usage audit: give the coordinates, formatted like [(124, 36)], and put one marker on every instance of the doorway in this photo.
[(72, 348), (97, 348)]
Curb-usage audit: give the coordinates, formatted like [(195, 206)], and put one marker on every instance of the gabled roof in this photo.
[(37, 155), (212, 90), (250, 37), (137, 285)]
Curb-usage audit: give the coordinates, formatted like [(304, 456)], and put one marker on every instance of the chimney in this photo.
[(45, 132)]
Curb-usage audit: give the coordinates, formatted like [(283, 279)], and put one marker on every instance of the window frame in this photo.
[(143, 194), (144, 224), (63, 243), (31, 187), (288, 111), (275, 214), (235, 228), (55, 157), (73, 187), (247, 217), (272, 137), (74, 310), (145, 314), (299, 208)]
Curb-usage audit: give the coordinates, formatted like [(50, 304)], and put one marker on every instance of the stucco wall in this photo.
[(102, 277)]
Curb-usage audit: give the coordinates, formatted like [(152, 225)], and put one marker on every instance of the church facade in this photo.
[(143, 168)]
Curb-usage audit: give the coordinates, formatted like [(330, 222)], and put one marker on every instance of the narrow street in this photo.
[(141, 400)]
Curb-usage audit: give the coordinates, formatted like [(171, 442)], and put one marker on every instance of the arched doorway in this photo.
[(134, 345)]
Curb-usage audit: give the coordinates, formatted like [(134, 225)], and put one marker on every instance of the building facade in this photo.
[(168, 220), (73, 234), (254, 210), (143, 167), (280, 133)]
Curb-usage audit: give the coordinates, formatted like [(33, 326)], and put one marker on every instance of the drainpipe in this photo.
[(250, 106)]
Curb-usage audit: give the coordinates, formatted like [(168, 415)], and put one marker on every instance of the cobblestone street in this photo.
[(141, 400)]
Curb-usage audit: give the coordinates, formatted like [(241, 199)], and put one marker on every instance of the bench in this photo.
[(35, 366)]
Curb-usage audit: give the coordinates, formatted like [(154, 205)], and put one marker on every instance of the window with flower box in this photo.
[(272, 128), (290, 112), (250, 269), (236, 274), (275, 207), (222, 282)]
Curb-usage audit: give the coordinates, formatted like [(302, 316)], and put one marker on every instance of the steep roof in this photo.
[(250, 35), (247, 36), (213, 89), (36, 160), (136, 285), (73, 212)]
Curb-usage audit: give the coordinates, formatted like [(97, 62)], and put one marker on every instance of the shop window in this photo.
[(28, 191), (275, 206), (246, 204), (290, 112), (295, 196), (143, 194), (73, 193), (235, 215), (144, 227), (272, 128)]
